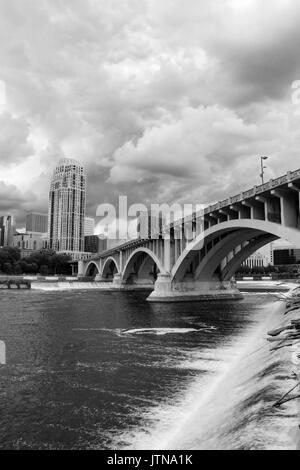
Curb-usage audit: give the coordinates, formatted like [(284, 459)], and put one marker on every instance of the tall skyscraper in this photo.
[(7, 230), (37, 223), (67, 207)]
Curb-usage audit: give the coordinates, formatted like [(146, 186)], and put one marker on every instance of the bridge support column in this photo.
[(162, 288), (167, 254), (121, 260), (118, 280), (187, 291), (80, 268)]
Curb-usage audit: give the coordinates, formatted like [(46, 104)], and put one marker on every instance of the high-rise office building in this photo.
[(67, 207), (37, 223), (7, 230), (89, 226)]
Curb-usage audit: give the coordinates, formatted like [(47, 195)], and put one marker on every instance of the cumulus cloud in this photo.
[(157, 98), (186, 147), (201, 142), (14, 144), (14, 201)]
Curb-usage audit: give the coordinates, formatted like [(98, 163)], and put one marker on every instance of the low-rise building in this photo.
[(261, 258), (29, 242), (285, 253)]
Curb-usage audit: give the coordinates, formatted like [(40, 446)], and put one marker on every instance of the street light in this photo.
[(262, 167)]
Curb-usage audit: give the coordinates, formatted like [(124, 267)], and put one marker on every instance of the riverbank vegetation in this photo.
[(43, 262), (275, 272)]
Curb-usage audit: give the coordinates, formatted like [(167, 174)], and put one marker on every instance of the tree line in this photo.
[(281, 271), (43, 262)]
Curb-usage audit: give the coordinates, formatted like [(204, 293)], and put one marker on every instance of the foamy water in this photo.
[(64, 285), (150, 331), (231, 406)]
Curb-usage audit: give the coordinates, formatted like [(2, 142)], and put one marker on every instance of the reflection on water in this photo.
[(88, 369)]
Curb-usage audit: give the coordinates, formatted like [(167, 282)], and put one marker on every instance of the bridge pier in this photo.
[(81, 269), (167, 291), (100, 278), (118, 280)]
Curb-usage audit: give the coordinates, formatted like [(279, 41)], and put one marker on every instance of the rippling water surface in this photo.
[(88, 369)]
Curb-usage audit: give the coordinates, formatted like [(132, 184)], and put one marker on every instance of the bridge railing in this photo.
[(273, 183)]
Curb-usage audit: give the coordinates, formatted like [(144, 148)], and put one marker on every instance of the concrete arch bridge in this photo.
[(202, 265)]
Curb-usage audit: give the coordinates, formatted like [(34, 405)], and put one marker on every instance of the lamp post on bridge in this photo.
[(262, 168)]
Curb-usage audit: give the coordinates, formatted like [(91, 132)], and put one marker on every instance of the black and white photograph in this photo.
[(149, 228)]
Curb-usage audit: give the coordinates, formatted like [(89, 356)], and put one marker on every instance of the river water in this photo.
[(108, 370)]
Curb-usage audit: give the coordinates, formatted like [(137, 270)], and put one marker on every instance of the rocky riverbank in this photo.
[(287, 335)]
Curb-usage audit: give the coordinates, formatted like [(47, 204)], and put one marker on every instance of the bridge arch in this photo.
[(229, 235), (110, 268), (231, 267), (92, 269), (216, 254), (142, 266)]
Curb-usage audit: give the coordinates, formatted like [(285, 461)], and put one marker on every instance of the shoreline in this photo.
[(69, 283), (266, 286)]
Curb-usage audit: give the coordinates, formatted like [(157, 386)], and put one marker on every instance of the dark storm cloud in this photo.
[(15, 202), (169, 99)]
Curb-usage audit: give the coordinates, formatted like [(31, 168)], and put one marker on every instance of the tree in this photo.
[(8, 255), (60, 263), (44, 262), (7, 268), (44, 270), (18, 270)]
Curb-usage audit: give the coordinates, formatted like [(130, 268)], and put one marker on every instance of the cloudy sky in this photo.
[(162, 100)]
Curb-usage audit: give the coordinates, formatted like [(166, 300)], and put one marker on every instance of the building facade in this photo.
[(261, 258), (7, 230), (36, 223), (95, 244), (29, 242), (89, 226), (67, 207), (278, 253), (256, 260), (285, 253)]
